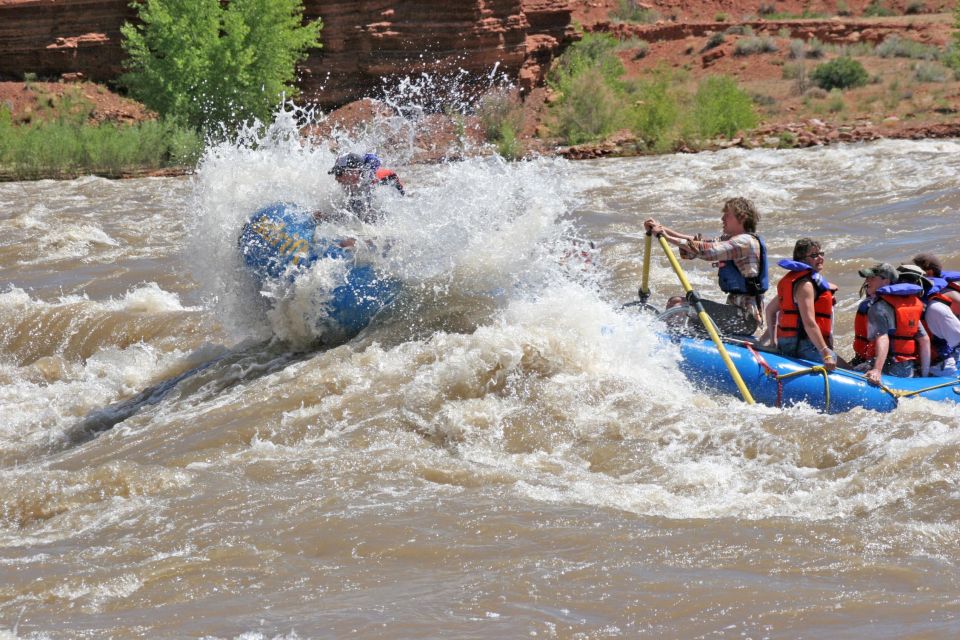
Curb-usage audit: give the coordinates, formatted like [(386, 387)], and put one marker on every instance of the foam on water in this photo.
[(479, 225)]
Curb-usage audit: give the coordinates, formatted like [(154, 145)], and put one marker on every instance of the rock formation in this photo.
[(364, 41)]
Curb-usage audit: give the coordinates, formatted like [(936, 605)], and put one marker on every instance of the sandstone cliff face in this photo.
[(364, 41)]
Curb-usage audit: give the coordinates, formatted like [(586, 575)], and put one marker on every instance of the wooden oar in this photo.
[(694, 299)]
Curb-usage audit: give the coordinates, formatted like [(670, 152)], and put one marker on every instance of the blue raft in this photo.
[(777, 380), (277, 242)]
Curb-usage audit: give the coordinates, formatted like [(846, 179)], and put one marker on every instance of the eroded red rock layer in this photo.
[(364, 41)]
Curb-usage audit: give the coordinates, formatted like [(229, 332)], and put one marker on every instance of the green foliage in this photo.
[(203, 62), (750, 46), (590, 109), (713, 41), (595, 53), (656, 112), (894, 47), (594, 101), (587, 77), (501, 116), (877, 10), (508, 144), (63, 149), (840, 73), (630, 11), (720, 107), (929, 72)]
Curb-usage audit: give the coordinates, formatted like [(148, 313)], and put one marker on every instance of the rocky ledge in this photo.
[(364, 41)]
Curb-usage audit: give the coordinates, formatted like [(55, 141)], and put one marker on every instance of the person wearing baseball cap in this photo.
[(889, 337)]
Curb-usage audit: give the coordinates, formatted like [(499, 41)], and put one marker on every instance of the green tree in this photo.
[(204, 63)]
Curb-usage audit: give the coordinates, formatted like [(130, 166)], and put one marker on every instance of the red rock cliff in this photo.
[(363, 40)]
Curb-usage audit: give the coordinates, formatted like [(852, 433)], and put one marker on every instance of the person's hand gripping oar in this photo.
[(694, 299)]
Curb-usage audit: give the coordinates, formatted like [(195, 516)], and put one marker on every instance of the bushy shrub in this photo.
[(656, 112), (915, 8), (590, 109), (587, 77), (750, 46), (501, 115), (204, 62), (840, 73), (798, 49), (713, 41), (630, 11), (64, 149), (720, 107), (929, 72), (894, 47), (877, 10)]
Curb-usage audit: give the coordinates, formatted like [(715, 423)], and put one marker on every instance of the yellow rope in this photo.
[(898, 393)]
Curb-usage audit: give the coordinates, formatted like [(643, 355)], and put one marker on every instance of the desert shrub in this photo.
[(835, 102), (656, 113), (739, 30), (204, 62), (915, 8), (894, 47), (750, 46), (594, 54), (842, 8), (840, 73), (815, 49), (589, 110), (721, 17), (498, 109), (713, 42), (766, 9), (876, 10), (929, 72), (631, 11), (501, 116), (640, 48), (798, 49), (720, 107), (592, 102)]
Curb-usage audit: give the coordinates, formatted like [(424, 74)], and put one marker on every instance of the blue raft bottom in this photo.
[(786, 381)]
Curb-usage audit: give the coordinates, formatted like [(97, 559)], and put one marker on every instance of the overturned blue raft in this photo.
[(777, 380), (278, 243)]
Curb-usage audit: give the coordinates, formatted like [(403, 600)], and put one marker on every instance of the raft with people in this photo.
[(277, 244), (904, 324)]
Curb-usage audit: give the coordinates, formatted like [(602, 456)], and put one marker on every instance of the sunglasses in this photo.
[(818, 254)]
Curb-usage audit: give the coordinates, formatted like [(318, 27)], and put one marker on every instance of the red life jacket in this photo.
[(388, 177), (908, 311), (790, 323), (862, 345)]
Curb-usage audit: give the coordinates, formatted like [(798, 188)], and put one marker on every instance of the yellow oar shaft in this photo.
[(645, 280), (707, 321)]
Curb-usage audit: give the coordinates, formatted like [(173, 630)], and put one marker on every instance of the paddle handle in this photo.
[(645, 278)]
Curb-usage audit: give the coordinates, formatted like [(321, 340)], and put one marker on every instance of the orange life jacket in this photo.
[(388, 177), (908, 311), (790, 323)]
